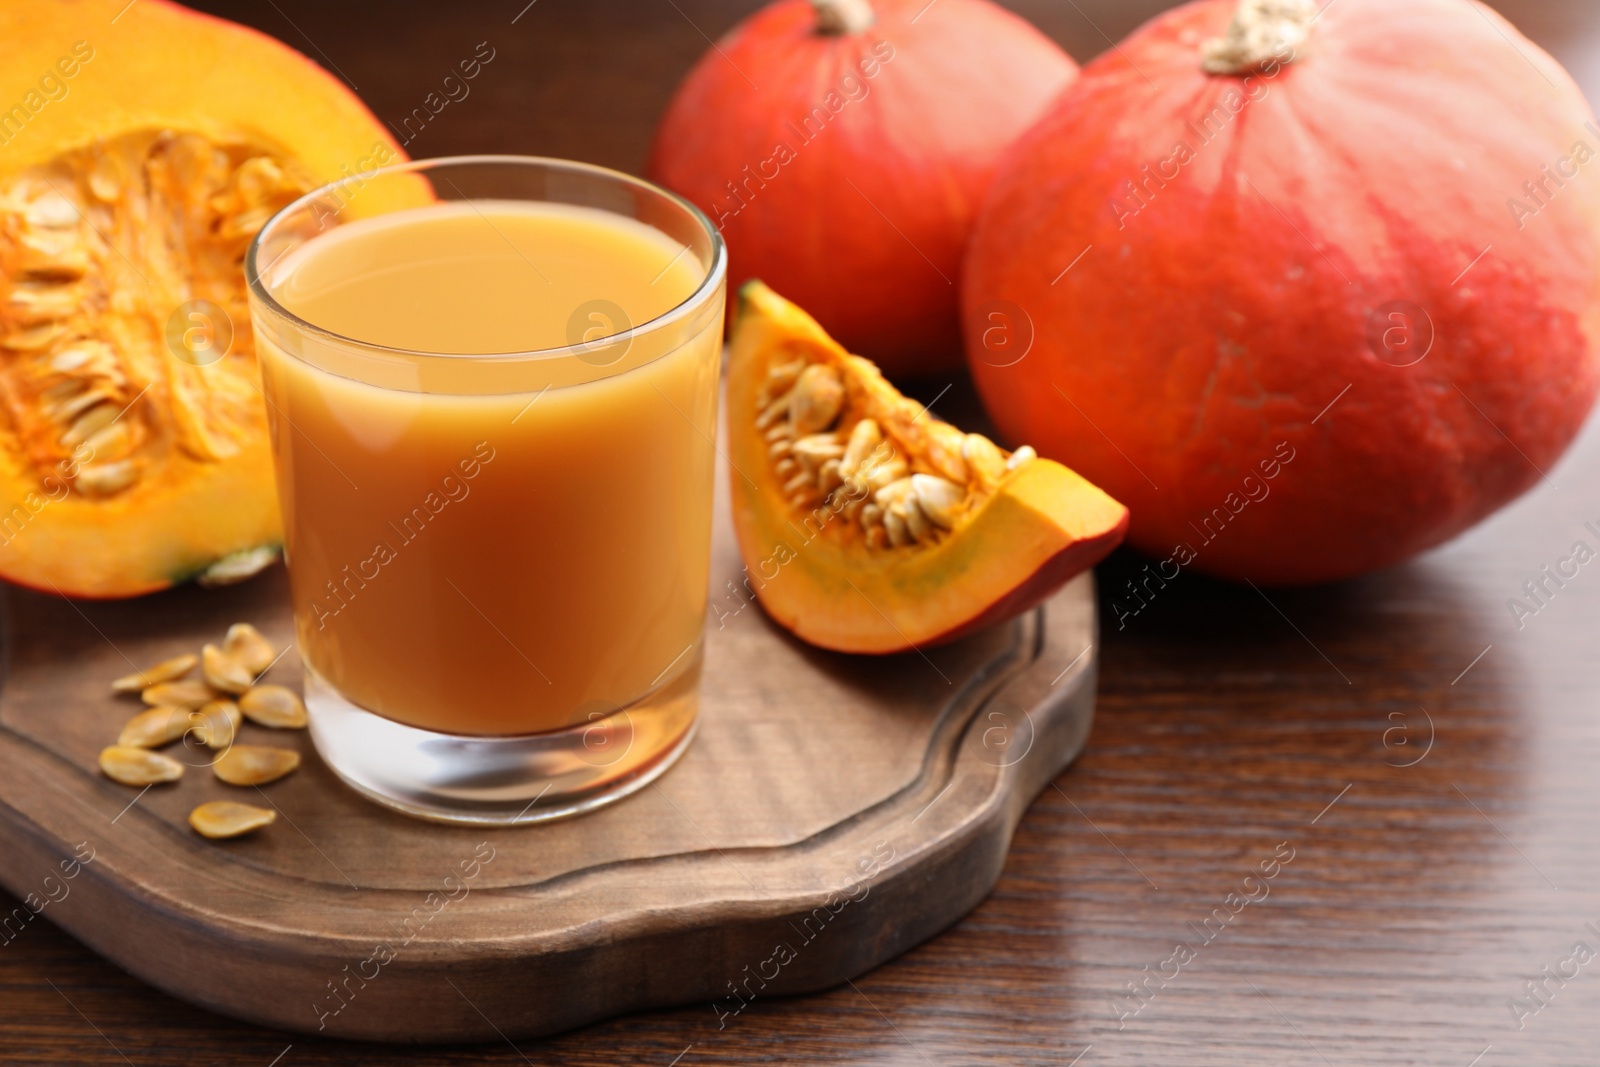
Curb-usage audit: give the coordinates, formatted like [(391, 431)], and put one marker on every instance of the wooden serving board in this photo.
[(833, 812)]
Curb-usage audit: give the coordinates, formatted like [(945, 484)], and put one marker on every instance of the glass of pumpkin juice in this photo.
[(491, 388)]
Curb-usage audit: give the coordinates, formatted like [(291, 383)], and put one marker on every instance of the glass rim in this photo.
[(707, 287)]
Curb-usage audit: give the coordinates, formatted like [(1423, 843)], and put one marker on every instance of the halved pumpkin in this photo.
[(868, 525), (143, 147)]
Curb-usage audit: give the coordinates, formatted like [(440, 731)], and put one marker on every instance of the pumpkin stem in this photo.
[(836, 17), (1263, 33)]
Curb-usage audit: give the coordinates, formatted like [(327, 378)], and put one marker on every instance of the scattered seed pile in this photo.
[(213, 708)]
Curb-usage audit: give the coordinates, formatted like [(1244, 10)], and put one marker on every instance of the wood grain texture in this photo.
[(832, 812), (1415, 906)]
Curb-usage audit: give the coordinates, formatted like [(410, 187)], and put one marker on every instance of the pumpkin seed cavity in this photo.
[(899, 476), (98, 249)]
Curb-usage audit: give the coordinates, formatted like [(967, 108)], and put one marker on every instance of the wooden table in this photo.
[(1419, 898)]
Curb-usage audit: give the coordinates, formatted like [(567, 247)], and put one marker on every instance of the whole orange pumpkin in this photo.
[(1309, 294), (843, 149)]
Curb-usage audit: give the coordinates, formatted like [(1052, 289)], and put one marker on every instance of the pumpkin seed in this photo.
[(156, 727), (187, 693), (223, 671), (89, 424), (217, 724), (40, 301), (274, 705), (894, 524), (223, 819), (781, 378), (255, 764), (246, 645), (68, 400), (880, 472), (1021, 456), (106, 479), (33, 338), (237, 566), (893, 493), (52, 211), (138, 766), (773, 412), (944, 452), (864, 440), (816, 400), (815, 450), (938, 498), (828, 476), (165, 671), (917, 524), (983, 456), (115, 438)]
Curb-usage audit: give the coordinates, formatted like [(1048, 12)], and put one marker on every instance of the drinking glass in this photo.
[(498, 559)]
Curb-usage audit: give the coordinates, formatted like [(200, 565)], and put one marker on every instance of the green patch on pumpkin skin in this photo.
[(743, 304)]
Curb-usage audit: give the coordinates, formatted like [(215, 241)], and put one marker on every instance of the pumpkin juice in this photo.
[(484, 544)]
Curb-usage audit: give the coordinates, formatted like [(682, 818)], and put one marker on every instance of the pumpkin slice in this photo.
[(148, 146), (867, 524)]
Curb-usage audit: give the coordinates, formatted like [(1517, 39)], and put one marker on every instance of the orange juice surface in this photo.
[(493, 547)]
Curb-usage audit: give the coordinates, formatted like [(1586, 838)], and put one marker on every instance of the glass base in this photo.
[(504, 781)]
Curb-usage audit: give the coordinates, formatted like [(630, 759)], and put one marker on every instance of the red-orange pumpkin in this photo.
[(843, 151), (1306, 313)]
